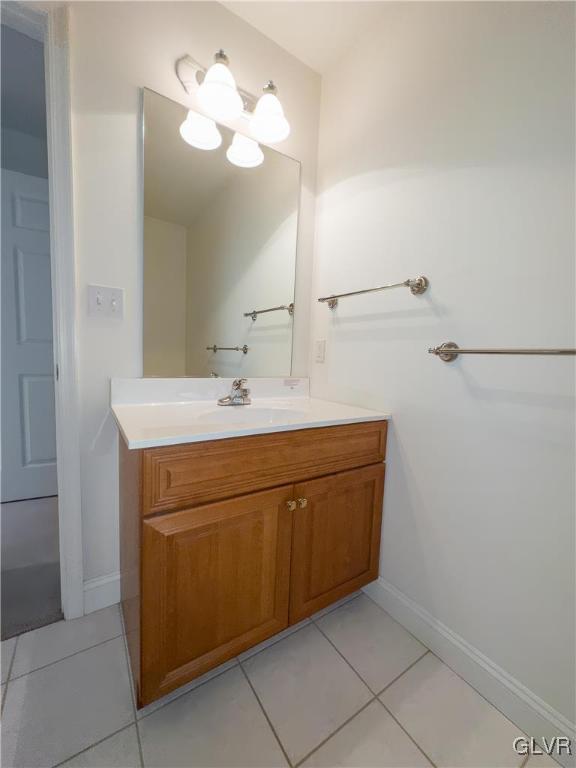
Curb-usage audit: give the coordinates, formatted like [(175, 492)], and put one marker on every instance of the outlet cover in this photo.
[(320, 350)]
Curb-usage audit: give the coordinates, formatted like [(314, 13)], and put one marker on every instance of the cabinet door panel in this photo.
[(215, 581), (336, 538)]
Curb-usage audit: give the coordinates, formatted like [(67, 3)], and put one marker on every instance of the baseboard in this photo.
[(101, 592), (520, 705)]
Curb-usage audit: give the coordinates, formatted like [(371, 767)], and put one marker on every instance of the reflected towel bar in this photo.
[(215, 348), (255, 312), (417, 286), (449, 351)]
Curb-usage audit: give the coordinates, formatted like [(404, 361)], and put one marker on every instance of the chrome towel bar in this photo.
[(449, 351), (215, 348), (255, 312), (417, 286)]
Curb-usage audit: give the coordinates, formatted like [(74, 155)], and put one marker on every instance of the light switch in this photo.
[(104, 301), (320, 350)]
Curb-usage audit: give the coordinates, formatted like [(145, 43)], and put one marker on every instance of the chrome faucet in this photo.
[(239, 395)]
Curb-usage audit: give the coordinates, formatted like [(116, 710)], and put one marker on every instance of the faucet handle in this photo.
[(239, 383)]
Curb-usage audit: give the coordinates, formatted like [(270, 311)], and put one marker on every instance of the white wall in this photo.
[(115, 49), (447, 149), (241, 256), (164, 311)]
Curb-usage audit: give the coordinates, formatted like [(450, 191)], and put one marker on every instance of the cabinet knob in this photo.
[(291, 505), (302, 503)]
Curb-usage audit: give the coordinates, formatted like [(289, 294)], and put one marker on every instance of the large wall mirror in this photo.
[(219, 244)]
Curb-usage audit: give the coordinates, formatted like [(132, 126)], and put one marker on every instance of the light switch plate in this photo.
[(320, 350), (104, 301)]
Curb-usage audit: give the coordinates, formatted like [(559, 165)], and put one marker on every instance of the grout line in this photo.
[(396, 620), (385, 687), (184, 693), (392, 715), (341, 603), (10, 665), (128, 661), (345, 723), (69, 656), (95, 744), (275, 642), (139, 740), (132, 692), (125, 727), (402, 673), (345, 659), (480, 694), (12, 658), (453, 670), (265, 715)]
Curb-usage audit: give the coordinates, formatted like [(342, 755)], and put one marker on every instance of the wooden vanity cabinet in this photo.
[(204, 581)]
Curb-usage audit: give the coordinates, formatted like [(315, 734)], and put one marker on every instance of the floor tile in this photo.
[(335, 605), (55, 712), (6, 653), (56, 641), (378, 647), (218, 724), (274, 639), (118, 751), (371, 740), (147, 710), (306, 688), (449, 720)]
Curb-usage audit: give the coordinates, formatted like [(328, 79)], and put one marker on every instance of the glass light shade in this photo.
[(268, 123), (218, 95), (244, 152), (200, 132)]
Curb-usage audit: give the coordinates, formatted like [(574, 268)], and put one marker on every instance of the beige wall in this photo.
[(116, 48), (164, 311), (447, 149)]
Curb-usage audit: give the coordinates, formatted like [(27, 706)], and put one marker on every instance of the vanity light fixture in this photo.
[(268, 123), (221, 99), (244, 152), (217, 94), (200, 131)]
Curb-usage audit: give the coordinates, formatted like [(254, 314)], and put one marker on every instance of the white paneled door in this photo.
[(28, 408)]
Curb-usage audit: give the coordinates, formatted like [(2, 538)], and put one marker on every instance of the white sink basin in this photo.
[(249, 414)]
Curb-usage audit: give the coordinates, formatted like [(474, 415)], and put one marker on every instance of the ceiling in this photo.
[(317, 33)]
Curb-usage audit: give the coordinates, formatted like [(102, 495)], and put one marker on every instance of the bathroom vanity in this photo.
[(238, 522)]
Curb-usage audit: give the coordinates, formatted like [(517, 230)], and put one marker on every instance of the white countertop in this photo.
[(147, 425)]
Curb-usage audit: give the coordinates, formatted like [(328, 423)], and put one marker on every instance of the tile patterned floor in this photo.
[(350, 687)]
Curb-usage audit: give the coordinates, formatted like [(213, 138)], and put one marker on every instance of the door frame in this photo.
[(50, 26)]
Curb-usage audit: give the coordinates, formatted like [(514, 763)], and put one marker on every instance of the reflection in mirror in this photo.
[(219, 243)]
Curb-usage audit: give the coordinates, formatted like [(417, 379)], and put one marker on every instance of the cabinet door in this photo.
[(215, 581), (336, 538)]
